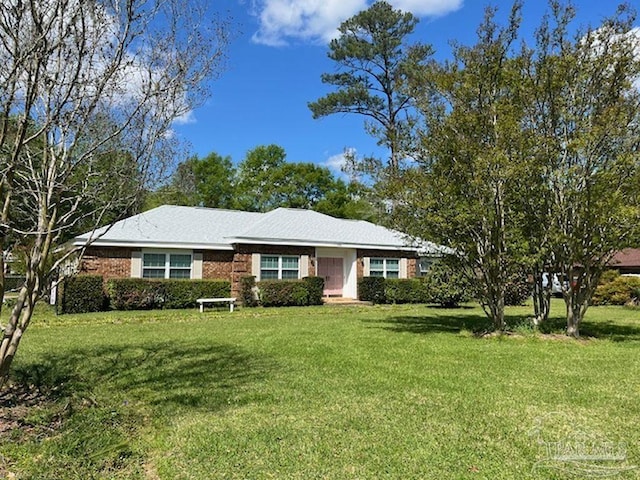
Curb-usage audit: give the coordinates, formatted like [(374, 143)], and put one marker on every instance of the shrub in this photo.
[(283, 293), (80, 294), (135, 294), (405, 291), (517, 291), (184, 293), (248, 291), (13, 282), (446, 285), (608, 276), (315, 289), (619, 291), (144, 294), (372, 289)]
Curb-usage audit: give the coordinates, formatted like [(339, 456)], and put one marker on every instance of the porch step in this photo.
[(343, 301)]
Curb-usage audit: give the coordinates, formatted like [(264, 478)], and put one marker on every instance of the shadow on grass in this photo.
[(455, 321), (613, 331), (444, 321), (165, 375)]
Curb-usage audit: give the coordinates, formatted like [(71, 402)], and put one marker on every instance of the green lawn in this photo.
[(384, 392)]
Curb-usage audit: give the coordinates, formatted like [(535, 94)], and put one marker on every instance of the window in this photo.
[(166, 265), (424, 264), (384, 267), (274, 267)]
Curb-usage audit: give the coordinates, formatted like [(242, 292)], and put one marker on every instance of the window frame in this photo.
[(280, 267), (167, 267), (385, 270)]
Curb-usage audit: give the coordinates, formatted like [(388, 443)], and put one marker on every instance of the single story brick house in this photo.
[(206, 243)]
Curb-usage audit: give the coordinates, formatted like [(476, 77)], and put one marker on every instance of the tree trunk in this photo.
[(541, 300), (573, 320), (2, 276), (498, 317), (493, 305), (17, 324)]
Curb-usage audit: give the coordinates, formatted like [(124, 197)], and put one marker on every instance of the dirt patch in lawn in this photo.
[(27, 411)]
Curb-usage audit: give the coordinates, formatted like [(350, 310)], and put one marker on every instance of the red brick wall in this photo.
[(110, 262), (217, 264)]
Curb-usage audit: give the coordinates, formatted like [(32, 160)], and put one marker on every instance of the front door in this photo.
[(331, 269)]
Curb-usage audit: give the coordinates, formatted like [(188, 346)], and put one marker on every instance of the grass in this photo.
[(395, 392)]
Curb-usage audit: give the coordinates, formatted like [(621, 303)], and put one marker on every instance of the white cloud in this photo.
[(632, 36), (427, 8), (317, 21), (336, 163)]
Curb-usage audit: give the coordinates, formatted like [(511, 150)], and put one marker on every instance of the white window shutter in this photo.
[(136, 264), (366, 269), (255, 266), (304, 266), (403, 268), (197, 266)]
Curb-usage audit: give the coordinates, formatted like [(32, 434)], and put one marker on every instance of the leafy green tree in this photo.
[(372, 54), (180, 189), (267, 181), (530, 156), (347, 200), (460, 193), (205, 182), (214, 181), (260, 178), (585, 119)]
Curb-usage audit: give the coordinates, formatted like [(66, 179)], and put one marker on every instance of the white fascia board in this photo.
[(304, 243), (176, 246)]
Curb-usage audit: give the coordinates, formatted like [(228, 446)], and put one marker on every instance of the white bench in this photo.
[(203, 301)]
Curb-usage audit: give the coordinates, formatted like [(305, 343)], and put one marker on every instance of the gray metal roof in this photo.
[(288, 225), (196, 227), (176, 226)]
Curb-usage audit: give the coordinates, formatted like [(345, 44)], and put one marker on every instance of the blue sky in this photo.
[(279, 52)]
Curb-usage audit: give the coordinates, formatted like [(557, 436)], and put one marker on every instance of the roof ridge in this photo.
[(198, 207)]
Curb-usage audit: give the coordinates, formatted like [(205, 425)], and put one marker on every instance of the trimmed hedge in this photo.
[(283, 293), (134, 294), (372, 289), (248, 295), (184, 293), (145, 294), (315, 288), (406, 291), (81, 294)]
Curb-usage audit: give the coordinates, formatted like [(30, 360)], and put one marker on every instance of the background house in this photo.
[(195, 243), (627, 261)]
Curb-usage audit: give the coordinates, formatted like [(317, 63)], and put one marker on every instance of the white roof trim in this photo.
[(305, 243)]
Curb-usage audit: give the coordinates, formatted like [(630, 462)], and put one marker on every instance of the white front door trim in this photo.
[(350, 267)]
